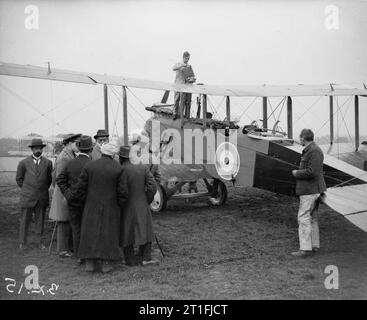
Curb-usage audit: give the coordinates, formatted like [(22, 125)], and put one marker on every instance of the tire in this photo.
[(221, 198), (159, 202)]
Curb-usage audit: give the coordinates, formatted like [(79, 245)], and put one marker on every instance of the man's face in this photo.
[(74, 147), (37, 151), (186, 59), (302, 141), (102, 140)]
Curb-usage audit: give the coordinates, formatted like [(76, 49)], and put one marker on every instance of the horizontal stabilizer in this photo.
[(351, 202)]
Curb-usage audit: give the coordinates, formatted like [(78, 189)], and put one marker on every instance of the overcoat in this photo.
[(310, 176), (104, 186), (137, 225), (59, 210), (68, 178), (34, 182)]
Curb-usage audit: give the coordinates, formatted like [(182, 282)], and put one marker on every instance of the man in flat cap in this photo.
[(310, 184), (34, 177), (59, 210), (101, 137), (67, 181), (137, 224), (184, 75), (103, 185)]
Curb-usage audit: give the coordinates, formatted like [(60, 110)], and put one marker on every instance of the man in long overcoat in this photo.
[(103, 184), (59, 208), (137, 225), (67, 181), (34, 177)]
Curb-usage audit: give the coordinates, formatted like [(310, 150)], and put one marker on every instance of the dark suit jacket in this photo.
[(310, 176), (68, 178), (34, 182)]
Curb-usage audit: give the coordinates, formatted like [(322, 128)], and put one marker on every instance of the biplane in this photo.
[(261, 157)]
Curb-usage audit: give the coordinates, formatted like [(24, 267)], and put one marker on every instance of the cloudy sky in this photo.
[(231, 42)]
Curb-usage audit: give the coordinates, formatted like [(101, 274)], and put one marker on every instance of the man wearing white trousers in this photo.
[(310, 184)]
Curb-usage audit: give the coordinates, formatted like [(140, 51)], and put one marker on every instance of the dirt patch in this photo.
[(238, 251)]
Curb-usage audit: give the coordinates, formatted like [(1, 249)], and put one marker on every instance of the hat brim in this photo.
[(102, 136), (73, 137), (85, 149), (124, 156), (37, 145)]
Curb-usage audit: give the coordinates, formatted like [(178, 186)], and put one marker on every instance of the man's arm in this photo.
[(313, 168), (150, 184), (80, 191), (178, 66), (62, 181), (20, 174)]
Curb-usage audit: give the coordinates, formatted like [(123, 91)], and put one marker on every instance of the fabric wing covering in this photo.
[(349, 200)]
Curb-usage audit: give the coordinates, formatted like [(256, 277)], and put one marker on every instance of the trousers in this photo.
[(144, 254), (76, 225), (64, 236), (26, 217), (308, 226), (182, 102)]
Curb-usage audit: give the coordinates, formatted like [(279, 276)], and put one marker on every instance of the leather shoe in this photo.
[(149, 262), (302, 253), (106, 267)]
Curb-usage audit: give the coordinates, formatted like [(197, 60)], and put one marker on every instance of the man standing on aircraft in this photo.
[(101, 137), (310, 184), (184, 75)]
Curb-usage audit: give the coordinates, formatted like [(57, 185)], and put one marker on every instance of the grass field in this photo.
[(238, 251)]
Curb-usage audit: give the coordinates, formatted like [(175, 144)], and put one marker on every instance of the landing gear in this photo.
[(216, 192), (219, 193), (159, 202)]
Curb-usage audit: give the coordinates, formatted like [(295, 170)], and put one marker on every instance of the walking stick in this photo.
[(52, 238), (159, 246)]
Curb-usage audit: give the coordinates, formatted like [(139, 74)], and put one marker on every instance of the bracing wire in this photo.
[(325, 123), (46, 112), (27, 103), (248, 107)]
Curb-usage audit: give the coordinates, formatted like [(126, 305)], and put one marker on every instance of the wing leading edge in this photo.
[(28, 71)]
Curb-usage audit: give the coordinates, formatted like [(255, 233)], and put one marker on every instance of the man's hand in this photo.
[(294, 173)]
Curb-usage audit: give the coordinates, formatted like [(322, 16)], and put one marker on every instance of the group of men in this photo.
[(100, 201)]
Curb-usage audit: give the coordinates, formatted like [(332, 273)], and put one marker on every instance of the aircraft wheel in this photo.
[(159, 202), (221, 197)]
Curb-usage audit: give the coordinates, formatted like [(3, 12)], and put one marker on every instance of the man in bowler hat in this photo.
[(34, 177), (101, 137), (67, 181)]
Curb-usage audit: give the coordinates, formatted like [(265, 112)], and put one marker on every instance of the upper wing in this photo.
[(29, 71)]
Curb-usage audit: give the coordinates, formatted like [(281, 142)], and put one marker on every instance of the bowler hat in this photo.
[(70, 137), (37, 143), (85, 143), (101, 133), (124, 152)]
